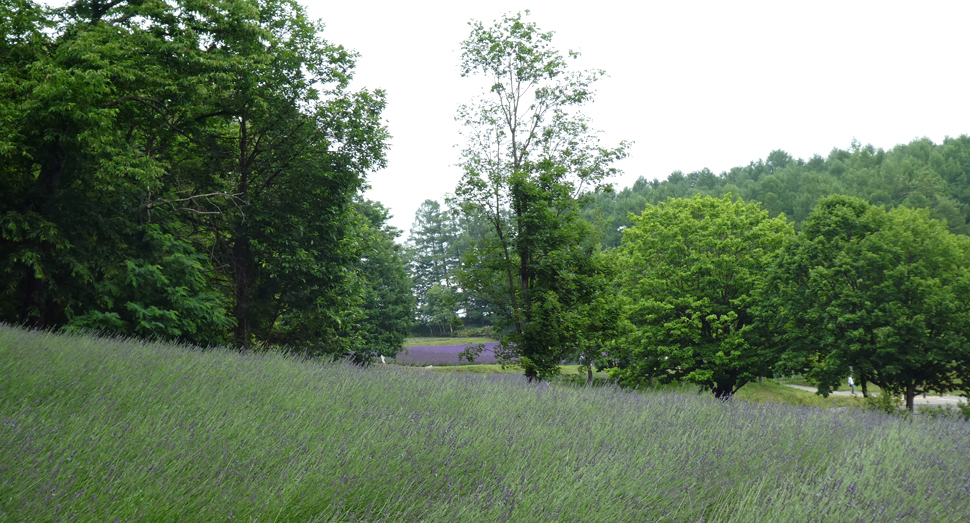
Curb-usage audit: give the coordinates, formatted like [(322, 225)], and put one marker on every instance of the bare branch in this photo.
[(197, 211), (190, 198)]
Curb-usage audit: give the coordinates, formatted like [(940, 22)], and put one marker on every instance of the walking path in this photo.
[(918, 400)]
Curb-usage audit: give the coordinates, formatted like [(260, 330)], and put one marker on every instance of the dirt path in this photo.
[(919, 400)]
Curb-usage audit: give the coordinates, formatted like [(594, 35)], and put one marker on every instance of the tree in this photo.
[(601, 323), (430, 241), (160, 290), (292, 145), (531, 158), (875, 292), (433, 264), (82, 160), (388, 305), (438, 310), (469, 227), (918, 174), (691, 268), (172, 140)]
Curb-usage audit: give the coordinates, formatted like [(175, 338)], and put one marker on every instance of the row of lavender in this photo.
[(443, 355)]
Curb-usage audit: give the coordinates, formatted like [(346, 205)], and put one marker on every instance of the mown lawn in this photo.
[(773, 391), (113, 430)]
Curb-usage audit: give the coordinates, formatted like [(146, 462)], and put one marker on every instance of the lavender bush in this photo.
[(114, 430)]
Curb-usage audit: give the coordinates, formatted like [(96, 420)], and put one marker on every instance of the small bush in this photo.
[(579, 380), (883, 402), (964, 410)]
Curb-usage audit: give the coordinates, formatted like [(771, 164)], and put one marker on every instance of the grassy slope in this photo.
[(95, 430), (770, 391)]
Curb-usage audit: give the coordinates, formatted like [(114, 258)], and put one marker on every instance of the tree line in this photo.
[(719, 294), (919, 174), (194, 171), (856, 262)]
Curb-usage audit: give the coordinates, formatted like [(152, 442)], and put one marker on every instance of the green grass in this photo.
[(796, 380), (437, 342), (769, 391), (113, 430), (773, 391)]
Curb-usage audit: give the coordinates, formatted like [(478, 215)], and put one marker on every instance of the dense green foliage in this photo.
[(530, 160), (184, 170), (891, 308), (193, 171), (388, 304), (103, 430), (919, 175), (435, 256), (882, 292), (692, 269)]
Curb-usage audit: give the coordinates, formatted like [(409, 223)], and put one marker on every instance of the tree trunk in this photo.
[(531, 374), (241, 250), (722, 391), (589, 374), (910, 395), (33, 300), (242, 335), (862, 380)]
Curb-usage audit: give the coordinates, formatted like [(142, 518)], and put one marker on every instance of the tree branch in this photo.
[(190, 198)]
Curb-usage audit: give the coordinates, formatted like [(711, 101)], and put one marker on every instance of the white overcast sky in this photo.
[(713, 84)]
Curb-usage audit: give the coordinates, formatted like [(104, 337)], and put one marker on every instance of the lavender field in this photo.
[(115, 430), (443, 355)]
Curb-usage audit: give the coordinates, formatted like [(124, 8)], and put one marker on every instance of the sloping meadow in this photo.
[(118, 430)]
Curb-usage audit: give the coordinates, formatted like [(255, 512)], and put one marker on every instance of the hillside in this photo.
[(112, 429), (919, 174)]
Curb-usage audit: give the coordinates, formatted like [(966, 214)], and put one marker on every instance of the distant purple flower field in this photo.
[(444, 355)]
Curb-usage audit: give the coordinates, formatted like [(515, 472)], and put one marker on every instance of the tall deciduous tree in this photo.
[(531, 157), (147, 143), (388, 305), (95, 97), (292, 144), (691, 268), (880, 292)]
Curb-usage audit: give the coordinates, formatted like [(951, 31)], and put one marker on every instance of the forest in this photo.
[(195, 171)]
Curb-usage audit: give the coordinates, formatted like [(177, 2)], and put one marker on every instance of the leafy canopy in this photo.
[(691, 268), (876, 292), (531, 158)]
